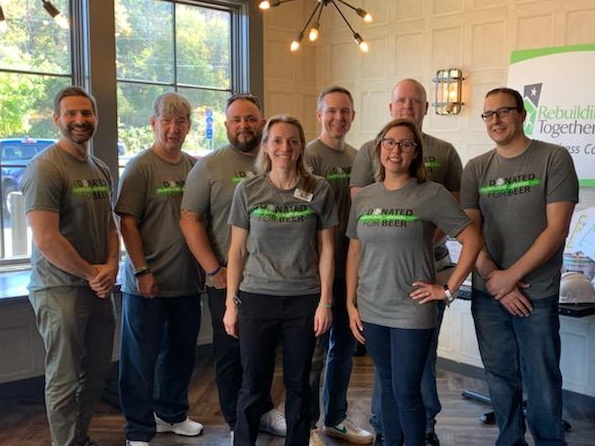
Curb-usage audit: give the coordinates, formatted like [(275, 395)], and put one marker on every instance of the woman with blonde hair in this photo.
[(279, 277)]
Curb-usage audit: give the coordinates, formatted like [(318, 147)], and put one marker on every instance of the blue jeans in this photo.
[(522, 352), (340, 343), (429, 390), (263, 322), (399, 356), (156, 360)]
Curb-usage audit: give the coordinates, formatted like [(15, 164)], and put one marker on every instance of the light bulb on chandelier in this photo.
[(315, 29)]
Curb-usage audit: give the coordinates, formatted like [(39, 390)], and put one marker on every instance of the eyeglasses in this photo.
[(404, 145), (246, 96), (502, 112)]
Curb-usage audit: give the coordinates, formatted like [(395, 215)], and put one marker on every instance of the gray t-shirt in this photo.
[(282, 243), (396, 232), (512, 195), (335, 167), (440, 158), (209, 191), (151, 190), (81, 193)]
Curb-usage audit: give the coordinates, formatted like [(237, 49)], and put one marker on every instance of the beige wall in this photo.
[(412, 38)]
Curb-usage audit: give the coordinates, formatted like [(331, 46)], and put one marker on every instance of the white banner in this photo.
[(558, 86)]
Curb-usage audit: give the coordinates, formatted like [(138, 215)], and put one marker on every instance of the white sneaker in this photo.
[(347, 430), (273, 422), (136, 443), (187, 427), (315, 439)]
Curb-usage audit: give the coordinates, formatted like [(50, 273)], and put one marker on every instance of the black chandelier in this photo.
[(315, 29)]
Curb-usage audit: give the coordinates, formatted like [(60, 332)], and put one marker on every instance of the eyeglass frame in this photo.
[(502, 112), (398, 144)]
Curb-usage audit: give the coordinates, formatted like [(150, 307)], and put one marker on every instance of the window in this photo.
[(196, 47), (34, 63), (168, 45)]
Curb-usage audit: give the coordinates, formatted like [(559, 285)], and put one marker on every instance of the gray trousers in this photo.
[(77, 329)]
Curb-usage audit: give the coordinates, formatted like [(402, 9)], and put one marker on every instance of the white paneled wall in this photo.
[(412, 38)]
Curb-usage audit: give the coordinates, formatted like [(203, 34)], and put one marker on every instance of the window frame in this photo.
[(93, 66)]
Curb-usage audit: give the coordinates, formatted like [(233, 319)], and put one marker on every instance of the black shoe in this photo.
[(432, 439), (379, 440)]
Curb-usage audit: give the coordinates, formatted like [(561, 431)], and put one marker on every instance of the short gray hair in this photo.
[(169, 104)]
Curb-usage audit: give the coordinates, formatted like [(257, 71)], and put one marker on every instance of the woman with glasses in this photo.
[(279, 277), (391, 278)]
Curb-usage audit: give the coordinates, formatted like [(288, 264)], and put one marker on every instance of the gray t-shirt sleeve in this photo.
[(42, 187), (562, 181), (364, 166), (132, 189), (455, 169), (239, 214), (469, 197), (197, 191)]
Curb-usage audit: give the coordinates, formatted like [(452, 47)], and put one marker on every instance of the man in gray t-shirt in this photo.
[(522, 195), (409, 100), (74, 263), (205, 210), (329, 156), (161, 282)]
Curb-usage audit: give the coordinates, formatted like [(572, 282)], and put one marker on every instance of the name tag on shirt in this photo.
[(303, 195)]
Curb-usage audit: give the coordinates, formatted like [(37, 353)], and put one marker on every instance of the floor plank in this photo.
[(23, 423)]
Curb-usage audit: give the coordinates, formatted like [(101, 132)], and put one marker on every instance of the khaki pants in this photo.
[(77, 329)]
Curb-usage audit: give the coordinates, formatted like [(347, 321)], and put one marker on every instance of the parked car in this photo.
[(15, 154)]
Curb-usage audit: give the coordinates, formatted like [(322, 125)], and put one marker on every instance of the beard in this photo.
[(247, 145), (78, 133)]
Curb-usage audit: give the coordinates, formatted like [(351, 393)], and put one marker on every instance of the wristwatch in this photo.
[(449, 295)]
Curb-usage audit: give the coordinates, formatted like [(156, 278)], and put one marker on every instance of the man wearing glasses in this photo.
[(205, 209), (521, 195), (444, 166)]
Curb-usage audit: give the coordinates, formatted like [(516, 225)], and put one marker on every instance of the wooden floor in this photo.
[(23, 422)]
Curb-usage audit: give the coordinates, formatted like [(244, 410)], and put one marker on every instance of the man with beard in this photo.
[(73, 267), (205, 208), (161, 283)]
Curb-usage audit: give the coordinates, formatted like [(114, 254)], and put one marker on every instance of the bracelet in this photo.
[(325, 304), (448, 294), (141, 271), (215, 271)]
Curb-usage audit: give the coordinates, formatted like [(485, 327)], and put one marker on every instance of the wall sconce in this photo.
[(448, 84)]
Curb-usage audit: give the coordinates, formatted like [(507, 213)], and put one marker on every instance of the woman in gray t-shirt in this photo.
[(391, 289), (279, 277)]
